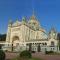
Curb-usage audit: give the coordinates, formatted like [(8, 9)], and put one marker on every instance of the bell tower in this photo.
[(53, 33)]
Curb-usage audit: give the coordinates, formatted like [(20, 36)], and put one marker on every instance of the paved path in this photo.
[(38, 55), (10, 55), (46, 57)]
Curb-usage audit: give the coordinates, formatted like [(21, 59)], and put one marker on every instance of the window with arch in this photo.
[(15, 38), (45, 43), (52, 43)]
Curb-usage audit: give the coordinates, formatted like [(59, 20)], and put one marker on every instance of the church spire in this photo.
[(33, 15), (33, 12)]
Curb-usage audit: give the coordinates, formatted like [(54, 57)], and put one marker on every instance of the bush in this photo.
[(25, 54), (49, 52), (33, 51), (2, 55)]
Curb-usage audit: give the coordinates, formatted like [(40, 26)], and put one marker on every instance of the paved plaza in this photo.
[(37, 55)]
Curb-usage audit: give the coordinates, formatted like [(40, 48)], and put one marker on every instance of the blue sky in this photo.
[(46, 11)]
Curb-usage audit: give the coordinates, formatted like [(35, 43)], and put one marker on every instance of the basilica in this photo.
[(30, 35)]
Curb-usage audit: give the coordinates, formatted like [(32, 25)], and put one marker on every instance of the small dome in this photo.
[(24, 21)]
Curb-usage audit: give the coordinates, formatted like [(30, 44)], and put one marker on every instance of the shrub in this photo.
[(49, 52), (33, 51), (25, 54), (2, 55)]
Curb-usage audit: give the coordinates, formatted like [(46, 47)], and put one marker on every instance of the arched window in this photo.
[(45, 43), (42, 43), (52, 43), (15, 38)]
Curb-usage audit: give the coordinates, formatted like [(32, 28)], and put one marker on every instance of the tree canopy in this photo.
[(2, 37)]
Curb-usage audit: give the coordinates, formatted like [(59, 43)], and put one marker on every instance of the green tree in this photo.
[(25, 54), (2, 55), (2, 37)]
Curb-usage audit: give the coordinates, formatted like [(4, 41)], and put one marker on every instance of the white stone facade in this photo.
[(31, 36)]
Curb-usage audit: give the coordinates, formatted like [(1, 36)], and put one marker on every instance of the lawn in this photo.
[(26, 59)]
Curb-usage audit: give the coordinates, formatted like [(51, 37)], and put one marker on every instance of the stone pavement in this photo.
[(10, 55), (46, 57)]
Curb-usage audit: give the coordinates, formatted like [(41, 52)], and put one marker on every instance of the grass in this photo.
[(26, 59), (35, 59)]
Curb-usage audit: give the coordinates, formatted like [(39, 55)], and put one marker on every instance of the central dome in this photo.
[(33, 22)]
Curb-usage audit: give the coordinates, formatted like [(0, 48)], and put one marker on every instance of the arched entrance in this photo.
[(38, 47), (15, 43)]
